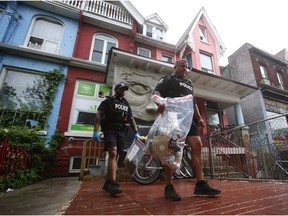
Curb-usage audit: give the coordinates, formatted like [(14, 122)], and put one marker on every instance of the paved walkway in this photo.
[(72, 197), (237, 197), (48, 197)]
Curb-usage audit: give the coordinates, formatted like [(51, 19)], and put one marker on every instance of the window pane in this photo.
[(97, 57), (144, 52), (213, 117), (206, 62), (159, 34), (50, 46), (149, 31), (189, 60), (109, 46), (263, 72), (98, 45), (45, 35), (264, 75), (203, 35), (47, 29), (98, 50), (23, 91), (280, 80), (167, 58), (86, 118), (102, 46)]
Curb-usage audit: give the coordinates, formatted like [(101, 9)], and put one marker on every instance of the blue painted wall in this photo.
[(17, 18)]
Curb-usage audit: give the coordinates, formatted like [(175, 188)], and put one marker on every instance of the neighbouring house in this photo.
[(256, 67), (34, 43)]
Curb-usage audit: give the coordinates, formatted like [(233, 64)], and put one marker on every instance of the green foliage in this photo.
[(42, 151), (22, 178), (13, 120)]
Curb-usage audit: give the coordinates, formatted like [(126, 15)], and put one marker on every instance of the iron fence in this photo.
[(255, 151)]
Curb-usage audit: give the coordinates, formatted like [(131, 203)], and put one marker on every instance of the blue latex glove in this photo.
[(137, 135), (96, 136)]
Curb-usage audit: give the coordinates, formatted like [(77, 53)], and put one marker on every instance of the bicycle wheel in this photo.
[(182, 173), (148, 170), (187, 162)]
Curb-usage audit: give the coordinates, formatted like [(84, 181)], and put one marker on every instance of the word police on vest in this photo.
[(185, 85), (121, 107), (121, 86)]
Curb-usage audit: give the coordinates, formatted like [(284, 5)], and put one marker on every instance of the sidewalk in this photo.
[(237, 197), (44, 198)]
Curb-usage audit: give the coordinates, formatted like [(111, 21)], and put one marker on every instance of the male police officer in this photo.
[(175, 85), (113, 113)]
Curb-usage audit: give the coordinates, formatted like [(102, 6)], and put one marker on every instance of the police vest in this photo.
[(172, 86), (116, 114)]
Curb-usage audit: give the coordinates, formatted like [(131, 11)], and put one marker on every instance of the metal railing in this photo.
[(14, 117), (255, 151), (92, 160), (102, 8)]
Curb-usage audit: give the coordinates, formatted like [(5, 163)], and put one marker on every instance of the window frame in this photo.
[(264, 74), (106, 38), (45, 40), (144, 49), (85, 102), (6, 70), (189, 60), (148, 33), (203, 34), (72, 158), (212, 71), (216, 112), (280, 80), (167, 58)]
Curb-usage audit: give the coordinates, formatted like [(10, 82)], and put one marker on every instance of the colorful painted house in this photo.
[(100, 43), (35, 41), (121, 45)]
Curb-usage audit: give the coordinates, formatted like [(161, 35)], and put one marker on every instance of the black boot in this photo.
[(171, 194)]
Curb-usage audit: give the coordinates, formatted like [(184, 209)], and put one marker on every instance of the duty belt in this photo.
[(116, 127)]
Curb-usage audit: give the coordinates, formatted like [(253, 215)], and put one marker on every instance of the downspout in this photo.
[(132, 37), (78, 33), (7, 17)]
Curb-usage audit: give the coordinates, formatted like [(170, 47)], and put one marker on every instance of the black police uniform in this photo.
[(173, 86), (116, 113)]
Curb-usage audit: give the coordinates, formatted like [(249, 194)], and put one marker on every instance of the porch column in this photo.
[(239, 115)]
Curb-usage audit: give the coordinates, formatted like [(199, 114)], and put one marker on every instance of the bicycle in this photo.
[(149, 169)]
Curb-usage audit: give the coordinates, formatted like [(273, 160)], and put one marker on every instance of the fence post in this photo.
[(83, 160), (211, 161), (3, 151)]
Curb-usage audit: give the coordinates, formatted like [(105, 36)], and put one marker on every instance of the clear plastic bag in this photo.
[(134, 155), (167, 136)]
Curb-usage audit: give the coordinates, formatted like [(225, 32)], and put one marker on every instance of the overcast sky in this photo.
[(262, 23)]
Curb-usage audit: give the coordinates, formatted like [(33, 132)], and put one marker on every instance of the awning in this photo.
[(211, 87)]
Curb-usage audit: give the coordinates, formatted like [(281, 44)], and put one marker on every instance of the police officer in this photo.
[(175, 85), (113, 113)]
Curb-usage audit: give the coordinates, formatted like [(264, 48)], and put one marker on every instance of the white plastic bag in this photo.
[(167, 136)]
